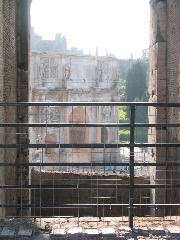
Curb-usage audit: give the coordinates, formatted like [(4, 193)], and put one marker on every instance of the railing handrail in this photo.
[(132, 124), (152, 104)]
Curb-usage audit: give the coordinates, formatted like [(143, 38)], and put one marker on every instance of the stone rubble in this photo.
[(89, 228)]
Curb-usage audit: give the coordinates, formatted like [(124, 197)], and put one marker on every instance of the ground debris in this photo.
[(90, 228)]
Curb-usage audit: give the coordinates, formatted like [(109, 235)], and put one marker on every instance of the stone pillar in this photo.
[(173, 73), (22, 45), (1, 109), (14, 51), (158, 93), (9, 95)]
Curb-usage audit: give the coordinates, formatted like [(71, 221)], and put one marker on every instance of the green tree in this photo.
[(136, 91), (136, 81), (122, 90)]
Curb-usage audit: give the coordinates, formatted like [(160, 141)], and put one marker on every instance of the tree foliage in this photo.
[(136, 81), (135, 89), (122, 90)]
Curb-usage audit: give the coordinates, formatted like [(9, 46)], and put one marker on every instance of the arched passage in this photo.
[(79, 134)]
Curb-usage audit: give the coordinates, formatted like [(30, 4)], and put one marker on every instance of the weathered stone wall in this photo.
[(93, 195), (71, 72), (1, 99), (173, 71), (8, 93), (12, 34), (59, 77), (164, 79), (10, 83)]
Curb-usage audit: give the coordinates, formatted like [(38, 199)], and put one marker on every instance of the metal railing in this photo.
[(170, 183)]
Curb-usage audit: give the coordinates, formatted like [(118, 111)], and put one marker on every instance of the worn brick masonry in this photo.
[(164, 80), (14, 50)]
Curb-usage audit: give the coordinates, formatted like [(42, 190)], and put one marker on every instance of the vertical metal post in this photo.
[(22, 95), (131, 166)]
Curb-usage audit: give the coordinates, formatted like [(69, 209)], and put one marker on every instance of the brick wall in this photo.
[(13, 56), (9, 57), (173, 71), (94, 195), (164, 82), (1, 99), (7, 92)]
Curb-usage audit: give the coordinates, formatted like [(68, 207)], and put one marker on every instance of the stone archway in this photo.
[(79, 134)]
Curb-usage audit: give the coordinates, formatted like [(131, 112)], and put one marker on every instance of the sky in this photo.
[(120, 27)]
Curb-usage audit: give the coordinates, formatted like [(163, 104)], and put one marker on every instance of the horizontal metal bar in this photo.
[(91, 186), (141, 145), (86, 205), (48, 104), (65, 124), (88, 145), (32, 216), (89, 218), (85, 164), (64, 186), (59, 145), (158, 125), (59, 206), (56, 145)]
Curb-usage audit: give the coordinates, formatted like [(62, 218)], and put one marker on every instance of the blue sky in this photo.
[(119, 26)]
